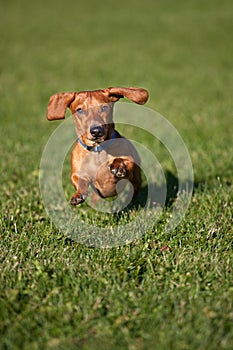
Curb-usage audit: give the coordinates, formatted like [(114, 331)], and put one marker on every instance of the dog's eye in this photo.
[(80, 111), (104, 109)]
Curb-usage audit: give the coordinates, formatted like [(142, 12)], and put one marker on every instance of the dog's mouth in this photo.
[(96, 141)]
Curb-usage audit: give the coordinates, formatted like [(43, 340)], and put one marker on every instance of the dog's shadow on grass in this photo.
[(163, 195)]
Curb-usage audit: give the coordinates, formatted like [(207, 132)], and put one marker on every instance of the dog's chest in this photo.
[(93, 162)]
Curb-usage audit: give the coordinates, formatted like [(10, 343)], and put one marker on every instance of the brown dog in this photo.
[(101, 156)]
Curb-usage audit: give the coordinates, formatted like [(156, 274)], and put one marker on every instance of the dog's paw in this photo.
[(78, 198), (118, 167)]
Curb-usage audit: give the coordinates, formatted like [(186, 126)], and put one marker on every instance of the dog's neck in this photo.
[(100, 147)]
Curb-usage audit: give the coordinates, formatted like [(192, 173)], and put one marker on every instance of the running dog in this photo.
[(101, 156)]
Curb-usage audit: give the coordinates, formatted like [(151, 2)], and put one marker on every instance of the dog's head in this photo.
[(92, 110)]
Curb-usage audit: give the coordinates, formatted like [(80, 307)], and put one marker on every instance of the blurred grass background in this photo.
[(57, 294)]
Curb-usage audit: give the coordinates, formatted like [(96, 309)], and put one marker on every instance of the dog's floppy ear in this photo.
[(137, 95), (58, 104)]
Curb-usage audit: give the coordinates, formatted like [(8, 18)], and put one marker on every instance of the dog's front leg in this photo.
[(120, 167), (81, 186), (126, 168)]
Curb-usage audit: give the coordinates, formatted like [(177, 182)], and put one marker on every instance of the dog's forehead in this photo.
[(92, 98)]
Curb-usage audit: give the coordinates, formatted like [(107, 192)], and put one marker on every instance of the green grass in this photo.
[(59, 294)]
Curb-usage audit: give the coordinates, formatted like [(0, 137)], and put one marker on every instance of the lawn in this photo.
[(163, 290)]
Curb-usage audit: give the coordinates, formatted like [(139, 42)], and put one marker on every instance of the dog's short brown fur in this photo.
[(102, 156)]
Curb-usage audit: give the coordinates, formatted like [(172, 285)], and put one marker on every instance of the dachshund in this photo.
[(101, 157)]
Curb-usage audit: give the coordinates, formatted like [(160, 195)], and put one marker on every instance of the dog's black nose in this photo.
[(97, 131)]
